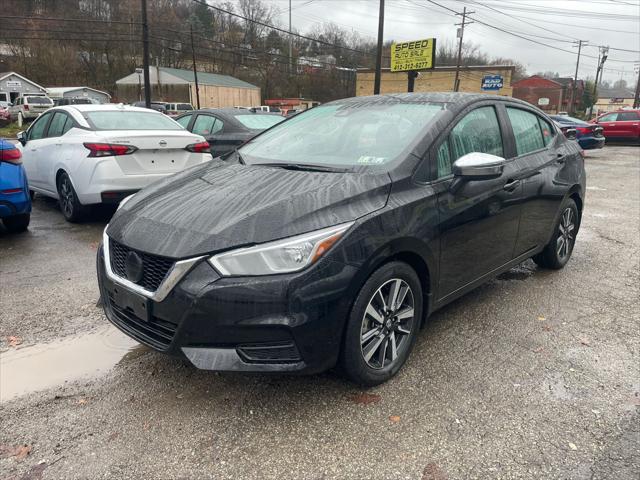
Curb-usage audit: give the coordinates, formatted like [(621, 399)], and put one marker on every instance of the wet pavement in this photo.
[(534, 375)]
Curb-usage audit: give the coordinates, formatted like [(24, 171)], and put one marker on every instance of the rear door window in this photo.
[(526, 130), (548, 132), (627, 117)]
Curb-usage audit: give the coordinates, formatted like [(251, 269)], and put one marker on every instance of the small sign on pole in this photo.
[(416, 55), (492, 82)]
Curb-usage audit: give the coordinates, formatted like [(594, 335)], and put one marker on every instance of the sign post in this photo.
[(413, 56)]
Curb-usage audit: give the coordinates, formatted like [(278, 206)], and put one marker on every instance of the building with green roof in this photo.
[(178, 85)]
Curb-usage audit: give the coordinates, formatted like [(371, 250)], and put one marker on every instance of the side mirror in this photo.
[(478, 166), (22, 138), (571, 133)]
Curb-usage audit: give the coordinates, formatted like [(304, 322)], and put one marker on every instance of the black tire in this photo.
[(17, 223), (381, 364), (558, 251), (32, 194), (71, 208)]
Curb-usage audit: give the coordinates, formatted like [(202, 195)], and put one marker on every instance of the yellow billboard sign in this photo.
[(416, 55)]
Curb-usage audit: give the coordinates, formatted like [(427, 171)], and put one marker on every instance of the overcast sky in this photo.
[(602, 22)]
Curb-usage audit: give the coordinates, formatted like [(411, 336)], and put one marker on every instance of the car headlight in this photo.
[(282, 256), (123, 201)]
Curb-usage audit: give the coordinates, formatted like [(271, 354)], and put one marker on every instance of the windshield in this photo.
[(127, 120), (39, 101), (350, 134), (184, 106), (259, 122)]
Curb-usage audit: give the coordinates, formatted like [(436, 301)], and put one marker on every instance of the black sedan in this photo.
[(331, 238), (227, 128)]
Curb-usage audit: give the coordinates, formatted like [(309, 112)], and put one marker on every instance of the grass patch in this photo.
[(10, 131)]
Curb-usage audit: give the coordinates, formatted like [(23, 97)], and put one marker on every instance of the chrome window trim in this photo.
[(177, 272)]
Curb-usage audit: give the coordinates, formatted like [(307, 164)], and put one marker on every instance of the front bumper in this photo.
[(278, 323)]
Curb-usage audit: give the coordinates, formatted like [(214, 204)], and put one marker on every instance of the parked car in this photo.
[(29, 107), (620, 125), (157, 106), (330, 237), (227, 128), (5, 116), (589, 136), (15, 202), (175, 109), (89, 154), (59, 102)]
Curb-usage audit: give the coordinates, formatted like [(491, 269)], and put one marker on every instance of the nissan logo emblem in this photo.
[(133, 267), (163, 143)]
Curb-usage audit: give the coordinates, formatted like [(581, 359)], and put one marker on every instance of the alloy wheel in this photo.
[(387, 323), (566, 235), (66, 196)]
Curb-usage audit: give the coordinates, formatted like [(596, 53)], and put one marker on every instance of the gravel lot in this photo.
[(534, 375)]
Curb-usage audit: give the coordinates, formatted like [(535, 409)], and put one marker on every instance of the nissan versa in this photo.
[(330, 238)]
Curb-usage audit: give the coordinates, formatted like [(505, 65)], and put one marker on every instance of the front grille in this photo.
[(269, 353), (155, 267), (156, 333)]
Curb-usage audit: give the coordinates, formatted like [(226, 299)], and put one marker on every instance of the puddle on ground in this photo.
[(517, 273), (38, 367)]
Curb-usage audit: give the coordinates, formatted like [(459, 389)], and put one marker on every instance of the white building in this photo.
[(79, 92)]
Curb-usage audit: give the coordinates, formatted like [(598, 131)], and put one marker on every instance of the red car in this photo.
[(4, 114), (620, 125)]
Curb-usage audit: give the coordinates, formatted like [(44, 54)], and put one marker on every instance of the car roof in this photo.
[(235, 111), (107, 107), (456, 101)]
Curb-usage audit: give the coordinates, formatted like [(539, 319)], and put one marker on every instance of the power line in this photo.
[(78, 20), (272, 27), (516, 34)]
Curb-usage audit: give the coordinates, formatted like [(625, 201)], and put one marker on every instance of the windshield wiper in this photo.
[(307, 167)]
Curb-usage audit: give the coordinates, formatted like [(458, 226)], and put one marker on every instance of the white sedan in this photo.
[(89, 154)]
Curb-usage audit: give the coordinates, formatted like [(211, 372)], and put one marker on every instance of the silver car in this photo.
[(29, 107)]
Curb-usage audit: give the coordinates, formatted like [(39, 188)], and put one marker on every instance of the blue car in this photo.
[(15, 201), (588, 135)]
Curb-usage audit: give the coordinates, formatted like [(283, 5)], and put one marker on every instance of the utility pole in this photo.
[(290, 41), (602, 57), (460, 33), (636, 100), (575, 77), (378, 74), (145, 54), (195, 70)]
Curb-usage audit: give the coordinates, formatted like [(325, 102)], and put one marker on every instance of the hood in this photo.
[(218, 206)]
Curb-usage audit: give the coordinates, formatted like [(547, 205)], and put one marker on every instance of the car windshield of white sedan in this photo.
[(348, 135), (128, 120), (259, 122)]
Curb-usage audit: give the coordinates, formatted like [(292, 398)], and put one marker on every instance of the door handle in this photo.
[(511, 185)]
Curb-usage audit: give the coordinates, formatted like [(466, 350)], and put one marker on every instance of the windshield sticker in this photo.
[(371, 160)]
